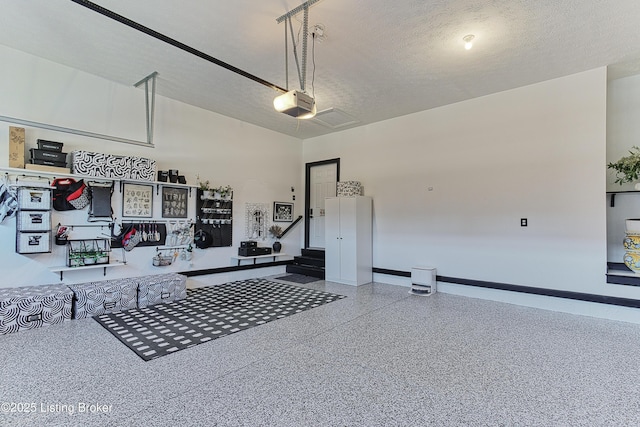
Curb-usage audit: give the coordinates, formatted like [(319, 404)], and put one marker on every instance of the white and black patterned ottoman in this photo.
[(32, 307), (107, 296), (161, 288)]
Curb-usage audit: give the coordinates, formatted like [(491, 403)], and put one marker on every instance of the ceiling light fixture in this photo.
[(468, 41), (295, 103)]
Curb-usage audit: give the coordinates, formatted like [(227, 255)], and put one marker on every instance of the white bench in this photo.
[(275, 256)]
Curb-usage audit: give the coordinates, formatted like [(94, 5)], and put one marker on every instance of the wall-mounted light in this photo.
[(468, 41)]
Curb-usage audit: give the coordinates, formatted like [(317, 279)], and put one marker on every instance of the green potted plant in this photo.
[(628, 170), (628, 167), (223, 192), (204, 186)]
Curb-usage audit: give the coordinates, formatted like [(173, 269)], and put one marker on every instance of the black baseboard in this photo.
[(392, 272), (192, 273), (600, 299)]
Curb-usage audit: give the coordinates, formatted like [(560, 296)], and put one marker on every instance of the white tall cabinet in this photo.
[(348, 241)]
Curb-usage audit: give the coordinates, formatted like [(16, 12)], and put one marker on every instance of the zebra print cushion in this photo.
[(32, 307)]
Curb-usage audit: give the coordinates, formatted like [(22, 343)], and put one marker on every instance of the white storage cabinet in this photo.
[(348, 241)]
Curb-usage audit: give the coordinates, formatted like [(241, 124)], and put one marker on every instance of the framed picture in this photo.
[(175, 202), (137, 200), (282, 212)]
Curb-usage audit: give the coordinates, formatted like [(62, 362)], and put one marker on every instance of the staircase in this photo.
[(311, 263)]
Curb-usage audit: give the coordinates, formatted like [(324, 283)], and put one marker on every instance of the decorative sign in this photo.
[(282, 212), (137, 200), (175, 202)]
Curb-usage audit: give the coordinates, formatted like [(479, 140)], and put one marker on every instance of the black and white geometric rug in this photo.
[(209, 313)]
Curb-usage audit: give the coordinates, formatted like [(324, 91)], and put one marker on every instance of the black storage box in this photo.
[(248, 244), (52, 156), (163, 176), (173, 175), (43, 144), (254, 251)]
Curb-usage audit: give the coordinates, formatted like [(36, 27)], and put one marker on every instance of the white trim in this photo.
[(563, 305)]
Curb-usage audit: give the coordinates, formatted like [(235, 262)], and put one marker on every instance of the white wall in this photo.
[(535, 152), (259, 164)]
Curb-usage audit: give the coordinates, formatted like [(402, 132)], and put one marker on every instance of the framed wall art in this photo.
[(282, 212), (175, 202), (137, 200)]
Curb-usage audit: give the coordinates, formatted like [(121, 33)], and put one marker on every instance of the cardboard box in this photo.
[(43, 168), (16, 147)]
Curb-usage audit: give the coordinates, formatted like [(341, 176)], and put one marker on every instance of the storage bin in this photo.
[(161, 288), (34, 198), (53, 156), (143, 169), (33, 242), (43, 144), (116, 167), (109, 296), (349, 188), (32, 307), (34, 221)]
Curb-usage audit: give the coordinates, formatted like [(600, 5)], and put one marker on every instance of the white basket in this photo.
[(34, 198), (33, 243), (34, 220)]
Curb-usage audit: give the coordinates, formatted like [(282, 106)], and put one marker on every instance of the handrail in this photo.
[(289, 227)]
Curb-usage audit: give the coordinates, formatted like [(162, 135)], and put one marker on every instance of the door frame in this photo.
[(307, 191)]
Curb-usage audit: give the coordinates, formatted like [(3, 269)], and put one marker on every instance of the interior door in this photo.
[(322, 184)]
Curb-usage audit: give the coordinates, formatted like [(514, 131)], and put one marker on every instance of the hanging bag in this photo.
[(8, 200), (78, 195), (129, 237), (61, 189)]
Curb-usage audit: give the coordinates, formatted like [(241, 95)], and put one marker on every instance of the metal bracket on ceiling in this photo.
[(304, 7), (296, 10), (149, 103)]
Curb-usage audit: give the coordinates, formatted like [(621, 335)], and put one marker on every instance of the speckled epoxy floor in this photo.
[(377, 358)]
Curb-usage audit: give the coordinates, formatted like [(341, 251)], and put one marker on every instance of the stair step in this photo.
[(305, 260), (313, 253), (305, 270)]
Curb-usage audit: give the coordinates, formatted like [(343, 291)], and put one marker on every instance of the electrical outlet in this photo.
[(523, 222)]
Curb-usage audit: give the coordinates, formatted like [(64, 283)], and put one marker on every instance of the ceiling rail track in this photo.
[(136, 26)]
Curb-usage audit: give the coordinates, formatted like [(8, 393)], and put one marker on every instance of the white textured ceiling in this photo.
[(381, 59)]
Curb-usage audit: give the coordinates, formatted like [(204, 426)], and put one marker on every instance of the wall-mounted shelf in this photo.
[(275, 256), (44, 174), (62, 269), (614, 193)]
